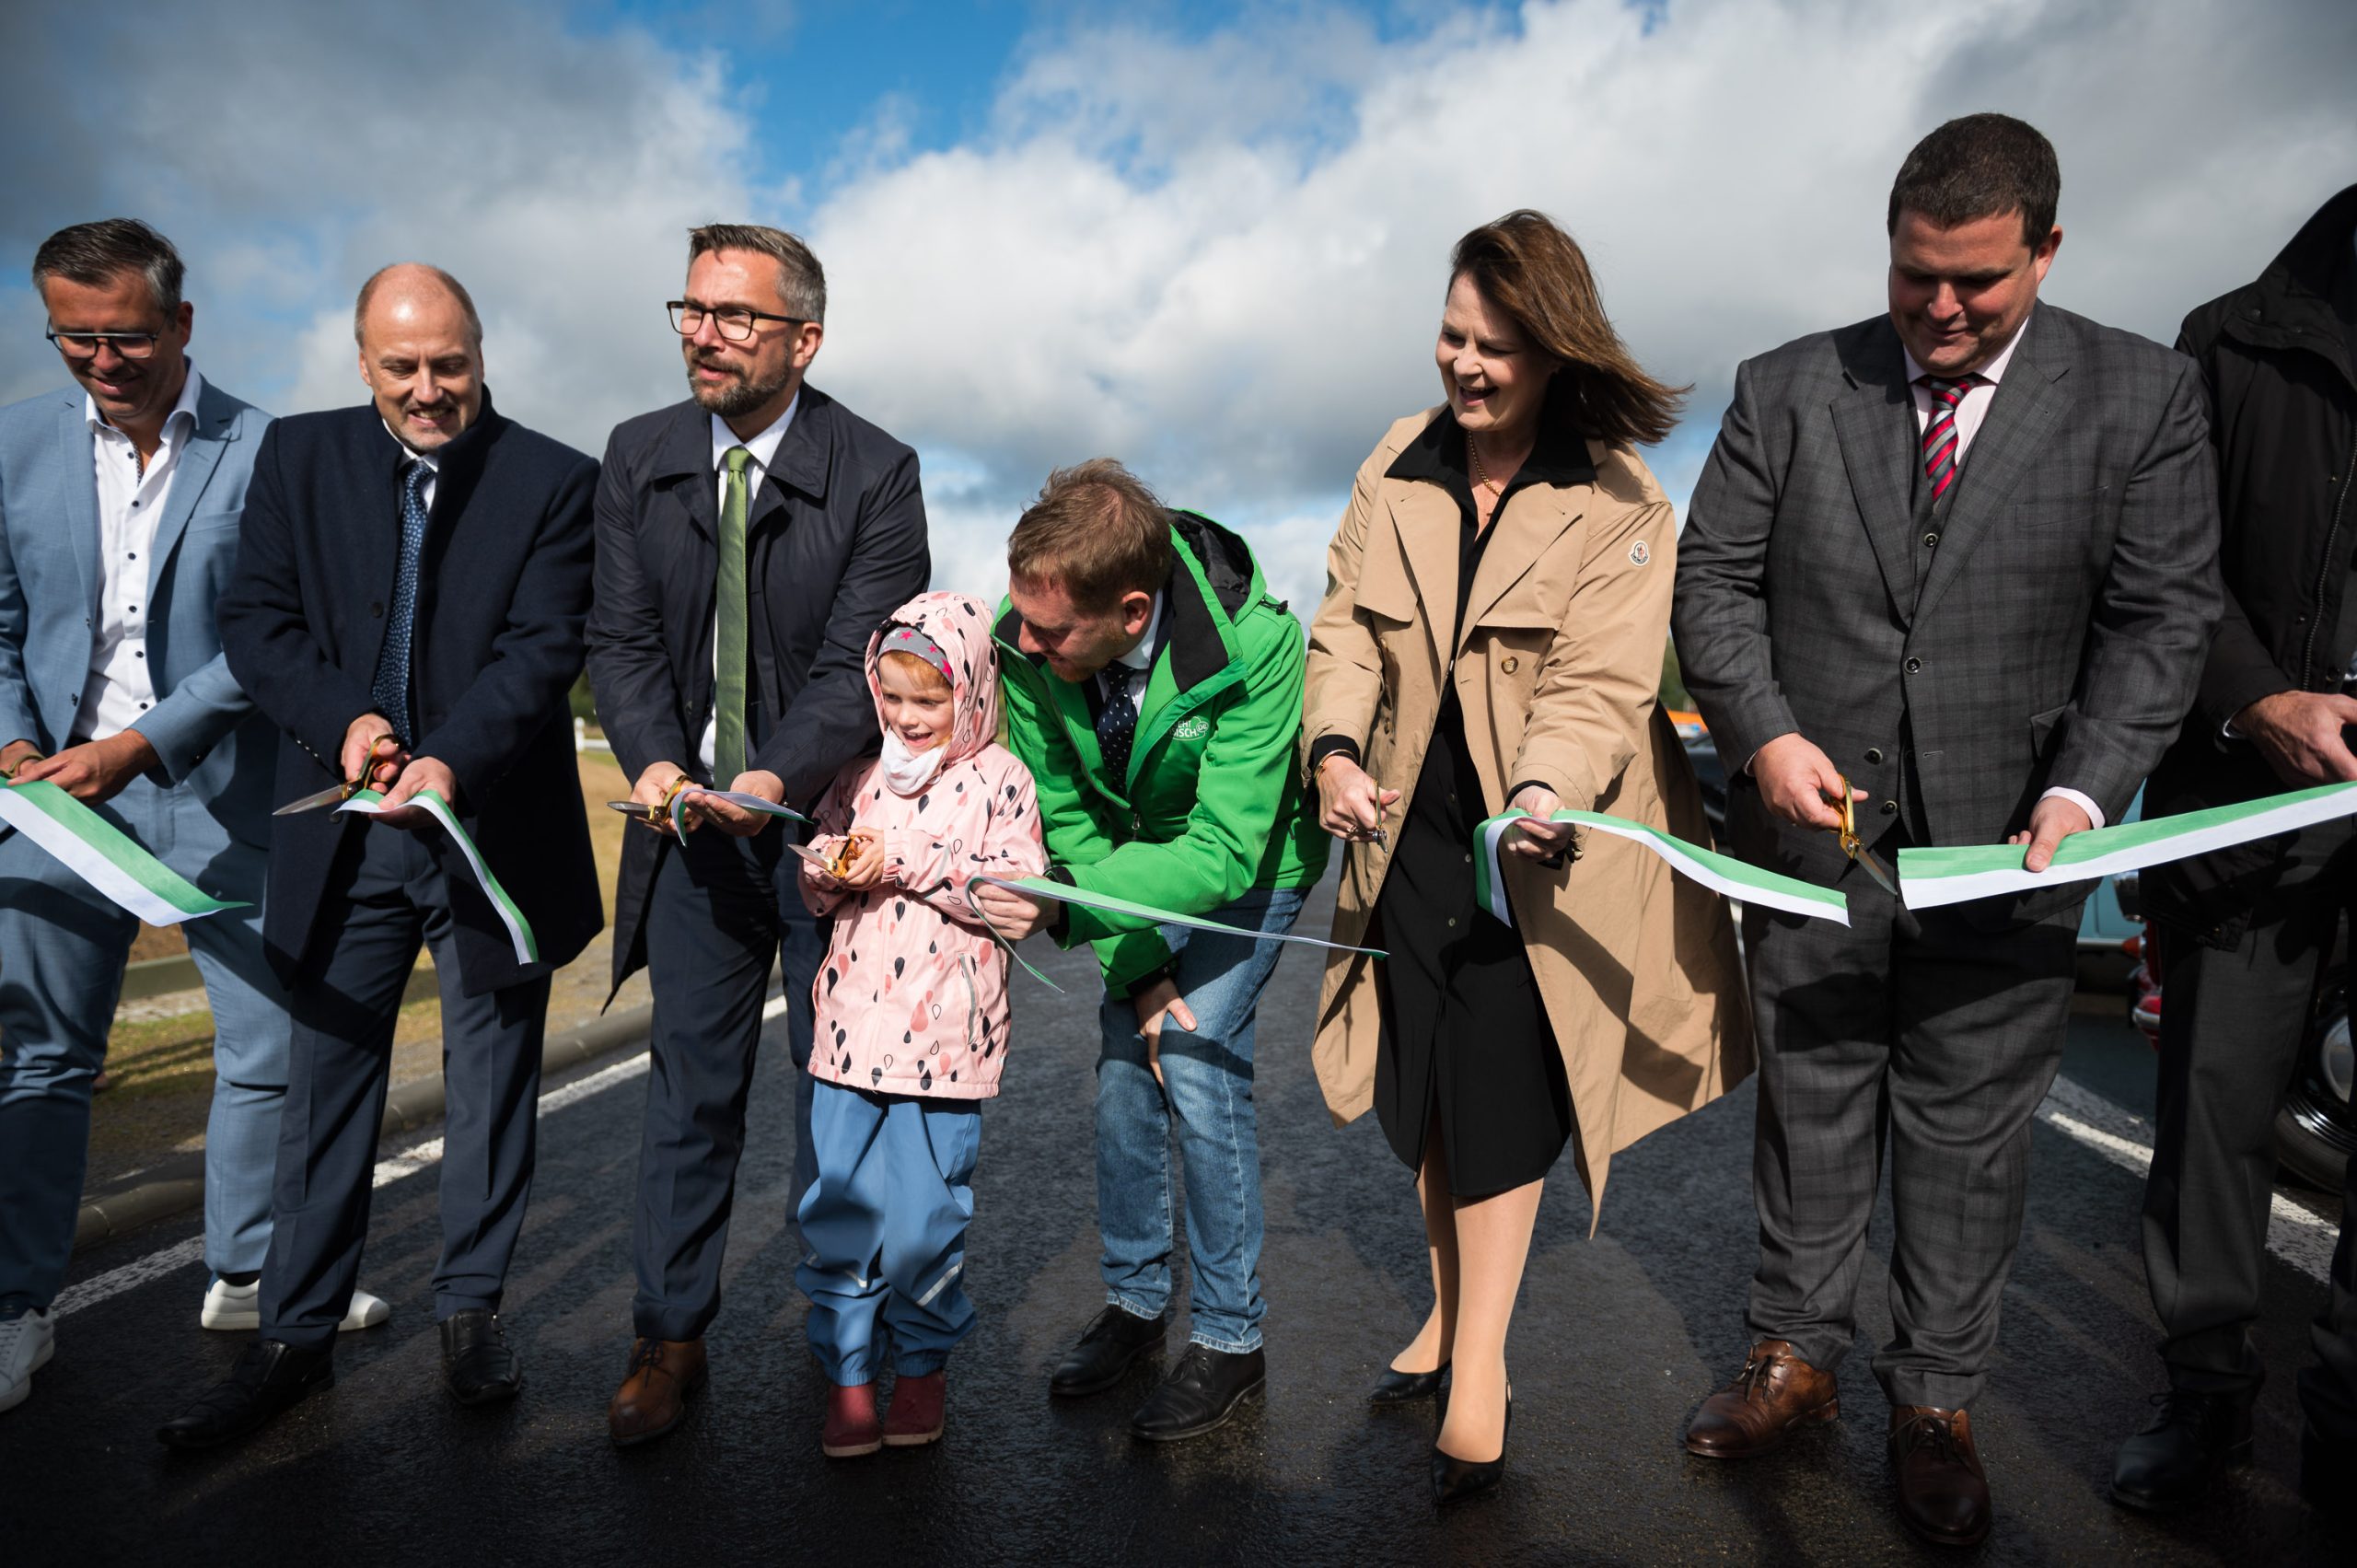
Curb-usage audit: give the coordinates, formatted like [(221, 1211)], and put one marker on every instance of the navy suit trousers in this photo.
[(721, 915), (393, 899)]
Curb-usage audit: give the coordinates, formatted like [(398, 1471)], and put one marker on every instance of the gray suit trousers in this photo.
[(1915, 1032)]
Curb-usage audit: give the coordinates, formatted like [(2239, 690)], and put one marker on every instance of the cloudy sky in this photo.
[(1210, 239)]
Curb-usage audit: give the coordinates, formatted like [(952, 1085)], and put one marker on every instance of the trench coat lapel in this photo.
[(1427, 521), (1532, 520)]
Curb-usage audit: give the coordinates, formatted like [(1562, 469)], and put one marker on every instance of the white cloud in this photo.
[(1142, 260), (1218, 258)]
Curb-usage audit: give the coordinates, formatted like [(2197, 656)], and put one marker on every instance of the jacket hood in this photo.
[(961, 625), (2316, 255), (1227, 561)]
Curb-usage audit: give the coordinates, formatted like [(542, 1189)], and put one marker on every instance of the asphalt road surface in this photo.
[(1614, 1340)]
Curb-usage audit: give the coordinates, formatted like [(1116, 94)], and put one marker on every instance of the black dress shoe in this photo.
[(1201, 1393), (1397, 1387), (269, 1377), (1111, 1341), (2173, 1463), (1455, 1480), (2328, 1475), (476, 1360)]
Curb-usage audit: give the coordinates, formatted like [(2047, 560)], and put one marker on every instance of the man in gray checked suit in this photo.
[(1963, 554)]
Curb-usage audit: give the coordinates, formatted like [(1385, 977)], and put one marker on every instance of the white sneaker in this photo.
[(238, 1308), (27, 1341)]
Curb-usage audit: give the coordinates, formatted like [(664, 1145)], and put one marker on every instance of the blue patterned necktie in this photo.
[(391, 686), (1117, 727)]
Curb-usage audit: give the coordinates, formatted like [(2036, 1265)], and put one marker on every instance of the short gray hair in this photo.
[(94, 254), (801, 283), (457, 291)]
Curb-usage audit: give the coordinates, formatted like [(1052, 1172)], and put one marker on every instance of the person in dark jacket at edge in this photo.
[(2244, 931)]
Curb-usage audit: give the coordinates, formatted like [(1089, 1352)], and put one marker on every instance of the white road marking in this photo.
[(419, 1156), (2298, 1235)]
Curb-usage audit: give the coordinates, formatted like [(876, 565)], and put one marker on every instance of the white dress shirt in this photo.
[(120, 687), (1970, 415), (432, 461), (764, 447), (1136, 667)]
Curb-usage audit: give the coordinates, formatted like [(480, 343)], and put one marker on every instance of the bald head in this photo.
[(421, 352), (407, 286)]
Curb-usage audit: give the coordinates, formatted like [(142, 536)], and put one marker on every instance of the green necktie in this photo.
[(728, 671)]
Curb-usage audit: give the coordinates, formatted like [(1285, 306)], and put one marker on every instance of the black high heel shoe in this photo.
[(1455, 1480), (1397, 1387)]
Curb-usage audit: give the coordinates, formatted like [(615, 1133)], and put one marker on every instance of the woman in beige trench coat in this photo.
[(1497, 602)]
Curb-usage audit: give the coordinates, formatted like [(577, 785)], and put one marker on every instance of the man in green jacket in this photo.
[(1153, 687)]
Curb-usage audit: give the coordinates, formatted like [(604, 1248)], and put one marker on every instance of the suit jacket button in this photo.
[(376, 611), (1511, 664), (1874, 755), (1931, 542), (1914, 666), (1890, 808)]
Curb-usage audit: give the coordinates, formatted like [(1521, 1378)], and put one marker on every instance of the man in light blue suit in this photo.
[(118, 507)]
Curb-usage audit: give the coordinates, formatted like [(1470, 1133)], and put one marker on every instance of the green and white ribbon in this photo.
[(1931, 878), (1723, 874), (733, 797), (104, 856), (1065, 893), (1052, 891), (370, 802)]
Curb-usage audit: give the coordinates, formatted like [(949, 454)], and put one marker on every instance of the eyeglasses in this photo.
[(85, 346), (734, 322)]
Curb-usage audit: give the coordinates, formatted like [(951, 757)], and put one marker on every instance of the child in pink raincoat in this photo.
[(909, 1017)]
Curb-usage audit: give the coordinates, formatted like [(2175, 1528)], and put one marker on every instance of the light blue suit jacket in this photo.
[(206, 732)]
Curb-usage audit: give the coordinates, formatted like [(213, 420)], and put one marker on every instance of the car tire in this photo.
[(2316, 1131)]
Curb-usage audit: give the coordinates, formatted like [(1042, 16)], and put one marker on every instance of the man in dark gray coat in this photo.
[(1960, 559), (748, 541)]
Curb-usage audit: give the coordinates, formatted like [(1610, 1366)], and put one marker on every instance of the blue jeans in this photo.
[(1206, 1095), (62, 951), (885, 1223)]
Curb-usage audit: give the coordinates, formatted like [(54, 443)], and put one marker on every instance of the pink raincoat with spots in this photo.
[(912, 997)]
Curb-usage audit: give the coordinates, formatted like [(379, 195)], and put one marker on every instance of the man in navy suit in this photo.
[(119, 503), (750, 540), (408, 606)]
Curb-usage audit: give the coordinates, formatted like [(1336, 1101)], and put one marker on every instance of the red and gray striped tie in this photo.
[(1940, 443)]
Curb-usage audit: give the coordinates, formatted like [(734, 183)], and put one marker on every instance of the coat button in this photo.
[(1931, 542), (1874, 755), (1890, 808), (376, 612), (1914, 666), (1511, 664)]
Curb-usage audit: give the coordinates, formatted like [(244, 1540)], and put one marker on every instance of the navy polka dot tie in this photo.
[(390, 688), (1117, 727)]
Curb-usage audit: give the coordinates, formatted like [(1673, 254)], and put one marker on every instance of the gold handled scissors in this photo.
[(1848, 832), (658, 816), (336, 794)]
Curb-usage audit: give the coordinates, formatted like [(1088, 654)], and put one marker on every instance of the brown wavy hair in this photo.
[(1525, 265)]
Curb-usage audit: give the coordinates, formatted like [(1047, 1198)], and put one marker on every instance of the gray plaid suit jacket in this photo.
[(2049, 629)]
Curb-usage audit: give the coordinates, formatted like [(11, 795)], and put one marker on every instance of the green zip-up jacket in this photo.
[(1211, 807)]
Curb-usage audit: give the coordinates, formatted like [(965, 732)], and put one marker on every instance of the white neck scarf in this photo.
[(909, 771)]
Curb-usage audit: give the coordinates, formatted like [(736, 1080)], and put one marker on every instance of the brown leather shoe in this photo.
[(1942, 1492), (663, 1376), (1775, 1393)]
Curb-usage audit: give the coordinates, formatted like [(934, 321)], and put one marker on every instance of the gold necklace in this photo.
[(1481, 470)]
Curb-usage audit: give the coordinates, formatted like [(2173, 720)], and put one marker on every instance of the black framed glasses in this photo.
[(85, 346), (734, 322)]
